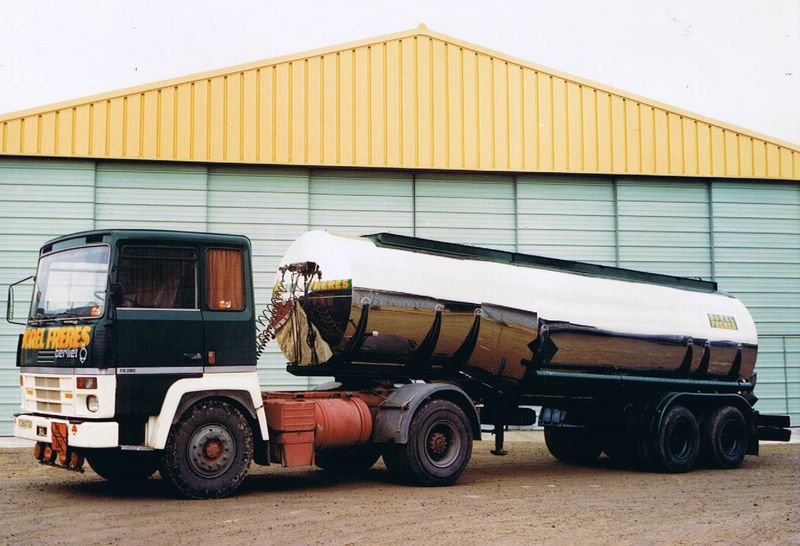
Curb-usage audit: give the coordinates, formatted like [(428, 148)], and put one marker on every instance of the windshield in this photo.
[(71, 283)]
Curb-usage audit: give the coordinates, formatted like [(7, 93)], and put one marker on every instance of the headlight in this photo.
[(92, 403)]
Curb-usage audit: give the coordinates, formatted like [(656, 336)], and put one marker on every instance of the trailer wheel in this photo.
[(573, 445), (123, 467), (208, 451), (439, 446), (724, 438), (626, 450), (350, 460), (675, 447)]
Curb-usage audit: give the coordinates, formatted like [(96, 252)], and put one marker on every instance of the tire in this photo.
[(723, 438), (439, 446), (351, 460), (123, 467), (626, 450), (573, 445), (208, 451), (676, 446)]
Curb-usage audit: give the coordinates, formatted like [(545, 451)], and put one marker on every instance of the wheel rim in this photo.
[(442, 444), (680, 440), (211, 450), (730, 438)]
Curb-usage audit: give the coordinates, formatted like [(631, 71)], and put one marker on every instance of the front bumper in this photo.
[(88, 434)]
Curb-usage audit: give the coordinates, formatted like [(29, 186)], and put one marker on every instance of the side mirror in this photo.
[(10, 302), (117, 294)]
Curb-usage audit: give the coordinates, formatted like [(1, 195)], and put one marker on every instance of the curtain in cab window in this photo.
[(158, 277), (225, 268)]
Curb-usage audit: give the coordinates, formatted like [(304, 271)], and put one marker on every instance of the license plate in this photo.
[(25, 423)]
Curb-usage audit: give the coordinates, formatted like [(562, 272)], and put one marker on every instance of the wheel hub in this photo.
[(679, 441), (729, 439), (442, 443), (437, 443), (211, 450)]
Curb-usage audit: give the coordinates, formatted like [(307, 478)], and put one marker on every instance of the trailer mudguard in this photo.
[(652, 418), (395, 413)]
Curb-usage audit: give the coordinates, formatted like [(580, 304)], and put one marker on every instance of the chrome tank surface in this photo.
[(421, 309)]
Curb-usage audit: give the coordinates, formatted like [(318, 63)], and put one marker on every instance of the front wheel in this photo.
[(438, 449), (123, 467), (208, 451)]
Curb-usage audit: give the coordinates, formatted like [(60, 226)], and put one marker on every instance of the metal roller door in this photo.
[(664, 227), (569, 218), (472, 209), (745, 235), (757, 258), (150, 196), (269, 206)]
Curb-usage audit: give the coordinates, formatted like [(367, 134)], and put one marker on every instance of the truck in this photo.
[(140, 351)]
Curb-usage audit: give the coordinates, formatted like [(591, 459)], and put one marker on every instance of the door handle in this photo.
[(193, 358)]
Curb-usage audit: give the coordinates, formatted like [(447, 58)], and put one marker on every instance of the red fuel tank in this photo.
[(341, 422)]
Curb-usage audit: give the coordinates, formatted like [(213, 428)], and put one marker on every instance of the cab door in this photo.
[(229, 332), (159, 326)]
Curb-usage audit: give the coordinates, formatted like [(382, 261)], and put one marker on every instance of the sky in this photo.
[(733, 60)]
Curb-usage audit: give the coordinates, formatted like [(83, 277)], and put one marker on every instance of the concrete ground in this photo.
[(524, 498)]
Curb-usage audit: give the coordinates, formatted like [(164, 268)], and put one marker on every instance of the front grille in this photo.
[(49, 394), (45, 357), (50, 407), (48, 382)]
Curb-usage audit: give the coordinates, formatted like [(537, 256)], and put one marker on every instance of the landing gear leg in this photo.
[(499, 438)]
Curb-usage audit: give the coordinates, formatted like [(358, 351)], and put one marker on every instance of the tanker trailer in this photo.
[(651, 369)]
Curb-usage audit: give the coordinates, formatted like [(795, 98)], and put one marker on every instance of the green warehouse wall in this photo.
[(744, 234)]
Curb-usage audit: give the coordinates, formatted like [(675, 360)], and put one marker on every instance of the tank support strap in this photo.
[(462, 354), (421, 356), (703, 368), (736, 365), (686, 365), (359, 335)]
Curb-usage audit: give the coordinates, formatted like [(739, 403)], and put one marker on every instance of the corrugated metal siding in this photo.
[(570, 218), (757, 258), (415, 99), (39, 200), (151, 196), (472, 209), (664, 227), (272, 208), (746, 235)]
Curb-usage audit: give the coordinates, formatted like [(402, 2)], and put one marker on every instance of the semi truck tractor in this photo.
[(140, 348)]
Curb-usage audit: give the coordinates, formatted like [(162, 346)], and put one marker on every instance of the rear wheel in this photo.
[(350, 460), (208, 450), (573, 445), (123, 467), (626, 450), (675, 447), (438, 449), (724, 438)]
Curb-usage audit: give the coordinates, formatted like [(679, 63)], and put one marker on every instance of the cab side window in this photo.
[(158, 277), (225, 279)]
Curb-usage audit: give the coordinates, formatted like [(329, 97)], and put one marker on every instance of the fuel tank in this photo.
[(420, 305)]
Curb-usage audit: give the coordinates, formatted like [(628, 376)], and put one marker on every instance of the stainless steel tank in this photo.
[(420, 305)]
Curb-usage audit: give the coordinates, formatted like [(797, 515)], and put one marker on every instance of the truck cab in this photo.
[(125, 329)]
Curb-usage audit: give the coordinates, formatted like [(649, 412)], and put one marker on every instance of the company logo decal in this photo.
[(320, 286), (725, 322), (65, 341)]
